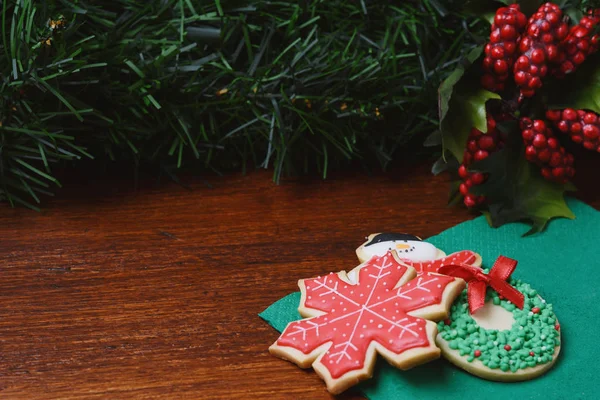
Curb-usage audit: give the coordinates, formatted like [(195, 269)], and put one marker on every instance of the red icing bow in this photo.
[(478, 281)]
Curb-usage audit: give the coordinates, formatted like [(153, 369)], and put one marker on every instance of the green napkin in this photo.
[(562, 264)]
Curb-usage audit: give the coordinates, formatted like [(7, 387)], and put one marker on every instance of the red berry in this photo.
[(522, 63), (507, 347), (535, 83), (538, 56), (481, 155), (497, 52), (569, 114), (535, 310), (553, 115), (470, 201), (575, 127), (487, 142), (472, 146), (544, 155), (590, 118), (508, 32), (510, 47), (558, 173), (531, 353), (520, 78), (563, 126), (591, 131), (539, 141), (528, 134), (539, 125), (552, 52), (500, 67), (477, 353), (555, 159), (477, 178)]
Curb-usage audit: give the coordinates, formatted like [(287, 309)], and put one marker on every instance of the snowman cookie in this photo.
[(412, 251), (406, 246)]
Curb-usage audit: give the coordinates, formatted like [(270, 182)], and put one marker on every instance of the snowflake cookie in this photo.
[(386, 309)]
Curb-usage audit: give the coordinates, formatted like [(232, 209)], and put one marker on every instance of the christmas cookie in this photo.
[(387, 310), (422, 256), (406, 246), (500, 328)]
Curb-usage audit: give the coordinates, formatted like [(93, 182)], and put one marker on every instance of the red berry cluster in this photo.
[(581, 125), (579, 44), (509, 23), (479, 146), (530, 49), (539, 46), (543, 149)]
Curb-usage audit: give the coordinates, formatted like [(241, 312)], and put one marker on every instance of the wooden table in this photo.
[(113, 293)]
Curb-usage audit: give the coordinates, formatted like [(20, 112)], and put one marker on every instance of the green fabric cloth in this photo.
[(562, 264)]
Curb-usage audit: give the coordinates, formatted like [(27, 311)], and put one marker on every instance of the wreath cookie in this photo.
[(495, 338)]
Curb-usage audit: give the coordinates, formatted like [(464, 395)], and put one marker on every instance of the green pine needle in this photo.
[(295, 86)]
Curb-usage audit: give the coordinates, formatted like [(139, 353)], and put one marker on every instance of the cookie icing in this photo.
[(523, 351), (385, 311), (406, 246)]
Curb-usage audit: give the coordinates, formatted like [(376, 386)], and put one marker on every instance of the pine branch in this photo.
[(282, 85)]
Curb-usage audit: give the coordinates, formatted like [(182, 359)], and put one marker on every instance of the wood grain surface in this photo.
[(114, 293)]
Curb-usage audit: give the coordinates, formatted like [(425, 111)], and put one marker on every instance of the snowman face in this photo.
[(413, 250)]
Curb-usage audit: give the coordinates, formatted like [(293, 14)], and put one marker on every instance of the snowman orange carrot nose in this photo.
[(402, 246)]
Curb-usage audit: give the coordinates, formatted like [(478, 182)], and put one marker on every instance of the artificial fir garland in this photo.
[(300, 86), (294, 86)]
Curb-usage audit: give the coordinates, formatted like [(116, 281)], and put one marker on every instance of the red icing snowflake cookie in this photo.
[(388, 310)]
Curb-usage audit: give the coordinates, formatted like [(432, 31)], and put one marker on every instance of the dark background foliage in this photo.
[(299, 86)]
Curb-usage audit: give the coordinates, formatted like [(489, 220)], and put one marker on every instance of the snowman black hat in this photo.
[(389, 237)]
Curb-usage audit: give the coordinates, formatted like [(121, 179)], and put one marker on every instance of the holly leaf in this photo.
[(445, 90), (516, 191), (454, 198), (584, 88), (461, 102), (528, 7), (433, 140), (483, 9), (575, 14)]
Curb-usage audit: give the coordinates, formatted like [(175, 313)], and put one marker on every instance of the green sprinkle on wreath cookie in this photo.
[(493, 337)]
